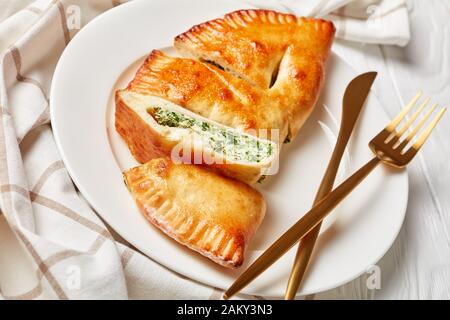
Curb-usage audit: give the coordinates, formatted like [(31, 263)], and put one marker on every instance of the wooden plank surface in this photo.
[(418, 264)]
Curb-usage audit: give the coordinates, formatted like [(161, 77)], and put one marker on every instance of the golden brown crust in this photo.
[(253, 42), (172, 197), (142, 140), (208, 91), (262, 45)]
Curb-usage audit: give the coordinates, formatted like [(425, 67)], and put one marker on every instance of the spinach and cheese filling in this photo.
[(235, 146)]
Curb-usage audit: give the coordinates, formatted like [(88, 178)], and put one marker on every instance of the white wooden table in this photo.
[(418, 264)]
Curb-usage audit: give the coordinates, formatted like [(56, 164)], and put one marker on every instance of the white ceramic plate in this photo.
[(103, 57)]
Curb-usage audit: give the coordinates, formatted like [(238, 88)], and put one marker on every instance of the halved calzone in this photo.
[(278, 52), (266, 72), (154, 127), (209, 213)]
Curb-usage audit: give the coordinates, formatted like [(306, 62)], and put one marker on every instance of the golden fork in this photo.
[(389, 148)]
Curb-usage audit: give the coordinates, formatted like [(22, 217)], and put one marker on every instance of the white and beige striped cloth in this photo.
[(52, 245)]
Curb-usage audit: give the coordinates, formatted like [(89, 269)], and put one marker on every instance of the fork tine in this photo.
[(394, 123), (413, 117), (426, 133), (417, 127)]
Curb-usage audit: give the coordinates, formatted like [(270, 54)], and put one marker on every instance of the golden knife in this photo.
[(391, 147), (354, 97), (359, 90)]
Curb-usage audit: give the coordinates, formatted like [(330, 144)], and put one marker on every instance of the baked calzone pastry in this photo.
[(154, 127), (209, 213), (280, 53)]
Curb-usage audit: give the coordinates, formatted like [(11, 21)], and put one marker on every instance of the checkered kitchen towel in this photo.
[(52, 245), (67, 251)]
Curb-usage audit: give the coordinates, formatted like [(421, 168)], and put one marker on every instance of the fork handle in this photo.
[(301, 228)]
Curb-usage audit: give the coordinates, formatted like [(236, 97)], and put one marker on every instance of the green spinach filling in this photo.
[(235, 146)]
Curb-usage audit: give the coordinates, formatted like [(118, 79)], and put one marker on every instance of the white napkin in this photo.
[(366, 21), (52, 244)]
